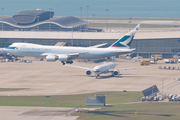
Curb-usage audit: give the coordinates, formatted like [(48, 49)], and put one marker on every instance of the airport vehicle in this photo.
[(145, 62), (172, 60), (179, 60), (67, 54), (2, 52), (156, 57), (167, 60), (104, 69), (137, 57), (6, 56), (152, 60)]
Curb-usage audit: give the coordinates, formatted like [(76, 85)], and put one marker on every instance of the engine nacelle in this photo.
[(63, 57), (115, 73), (88, 72), (51, 58)]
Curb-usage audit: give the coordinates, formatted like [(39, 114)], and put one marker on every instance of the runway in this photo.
[(52, 78)]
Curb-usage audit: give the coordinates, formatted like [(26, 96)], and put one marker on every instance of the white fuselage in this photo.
[(104, 68), (26, 49)]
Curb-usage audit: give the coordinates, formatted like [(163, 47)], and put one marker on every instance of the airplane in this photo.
[(104, 69), (68, 53)]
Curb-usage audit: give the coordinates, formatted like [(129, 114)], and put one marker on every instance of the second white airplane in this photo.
[(104, 69), (67, 54)]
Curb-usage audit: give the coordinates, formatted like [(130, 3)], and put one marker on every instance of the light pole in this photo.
[(89, 42), (87, 14), (107, 19), (162, 86), (72, 35), (50, 20), (2, 18), (37, 23), (129, 23), (152, 91), (93, 20), (81, 16)]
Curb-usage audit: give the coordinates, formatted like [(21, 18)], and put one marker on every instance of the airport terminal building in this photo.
[(38, 26), (166, 43), (41, 20)]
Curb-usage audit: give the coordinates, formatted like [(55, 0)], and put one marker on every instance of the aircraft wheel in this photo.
[(63, 62), (97, 76)]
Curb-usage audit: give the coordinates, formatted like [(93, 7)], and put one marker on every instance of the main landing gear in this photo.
[(68, 62), (97, 75), (63, 62)]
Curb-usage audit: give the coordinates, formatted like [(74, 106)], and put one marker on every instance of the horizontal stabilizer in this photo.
[(96, 46)]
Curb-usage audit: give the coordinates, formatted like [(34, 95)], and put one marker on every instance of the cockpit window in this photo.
[(96, 70), (9, 47)]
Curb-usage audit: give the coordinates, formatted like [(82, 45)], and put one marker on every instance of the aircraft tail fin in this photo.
[(126, 40)]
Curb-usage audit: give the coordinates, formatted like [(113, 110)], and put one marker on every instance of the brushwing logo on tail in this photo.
[(137, 28), (124, 42)]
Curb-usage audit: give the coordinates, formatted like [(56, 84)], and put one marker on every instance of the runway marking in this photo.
[(8, 95), (175, 86), (28, 95), (2, 66), (167, 83), (78, 81)]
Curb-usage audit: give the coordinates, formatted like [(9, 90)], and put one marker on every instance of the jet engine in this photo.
[(63, 57), (51, 58), (88, 72), (115, 73)]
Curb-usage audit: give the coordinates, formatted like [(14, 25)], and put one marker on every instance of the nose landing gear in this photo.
[(97, 75)]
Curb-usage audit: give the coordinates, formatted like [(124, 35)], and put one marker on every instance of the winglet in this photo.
[(137, 27)]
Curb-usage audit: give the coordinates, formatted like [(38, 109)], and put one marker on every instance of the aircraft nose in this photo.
[(95, 71)]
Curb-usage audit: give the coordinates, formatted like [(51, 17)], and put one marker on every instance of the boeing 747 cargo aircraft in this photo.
[(67, 54)]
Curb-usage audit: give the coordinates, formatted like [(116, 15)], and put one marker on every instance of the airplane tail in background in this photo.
[(126, 40)]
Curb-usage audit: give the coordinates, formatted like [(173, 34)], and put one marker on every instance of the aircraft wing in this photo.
[(96, 46), (111, 70), (79, 67), (72, 56)]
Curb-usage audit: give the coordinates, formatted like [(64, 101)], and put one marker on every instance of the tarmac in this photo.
[(41, 78), (52, 78)]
